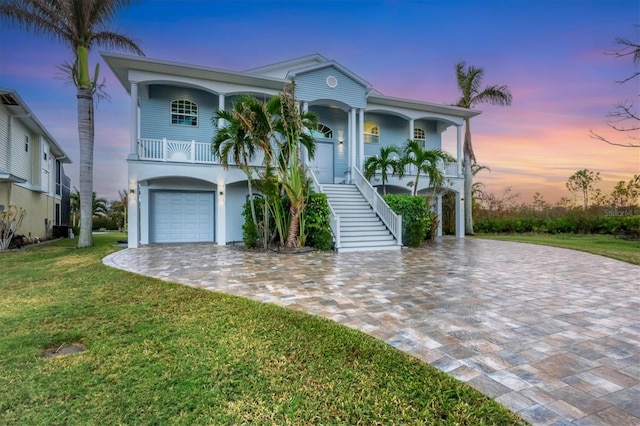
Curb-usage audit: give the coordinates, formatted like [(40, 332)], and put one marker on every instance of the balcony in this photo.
[(167, 150)]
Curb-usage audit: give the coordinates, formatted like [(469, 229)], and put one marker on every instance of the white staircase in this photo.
[(360, 228)]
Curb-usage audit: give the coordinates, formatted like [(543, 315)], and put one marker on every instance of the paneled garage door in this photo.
[(181, 217)]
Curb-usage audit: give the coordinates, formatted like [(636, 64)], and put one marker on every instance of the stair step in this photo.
[(382, 234), (360, 228)]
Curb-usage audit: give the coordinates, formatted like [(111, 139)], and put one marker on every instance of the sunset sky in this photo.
[(551, 53)]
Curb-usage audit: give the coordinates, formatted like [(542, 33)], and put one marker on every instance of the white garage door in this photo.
[(181, 217)]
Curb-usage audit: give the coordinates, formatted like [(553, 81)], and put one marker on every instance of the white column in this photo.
[(352, 138), (439, 212), (221, 219), (411, 128), (133, 123), (144, 201), (303, 150), (221, 106), (459, 215), (459, 149), (361, 137)]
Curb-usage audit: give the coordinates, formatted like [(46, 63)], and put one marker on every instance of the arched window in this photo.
[(325, 131), (184, 112), (371, 132), (420, 136)]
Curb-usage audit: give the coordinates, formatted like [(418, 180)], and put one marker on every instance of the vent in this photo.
[(7, 99)]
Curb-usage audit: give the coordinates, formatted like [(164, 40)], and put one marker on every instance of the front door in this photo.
[(322, 163)]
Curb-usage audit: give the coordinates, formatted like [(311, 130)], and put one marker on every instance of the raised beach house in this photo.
[(179, 192)]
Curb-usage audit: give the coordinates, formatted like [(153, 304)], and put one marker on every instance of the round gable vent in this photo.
[(332, 82)]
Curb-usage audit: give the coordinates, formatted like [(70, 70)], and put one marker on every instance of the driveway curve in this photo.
[(551, 333)]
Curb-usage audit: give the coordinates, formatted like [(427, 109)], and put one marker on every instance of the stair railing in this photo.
[(380, 207), (334, 219)]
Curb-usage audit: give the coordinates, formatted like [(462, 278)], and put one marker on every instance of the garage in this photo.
[(181, 217)]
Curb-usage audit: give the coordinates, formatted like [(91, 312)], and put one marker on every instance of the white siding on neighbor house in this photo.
[(4, 140), (21, 160), (313, 85), (155, 114), (45, 169)]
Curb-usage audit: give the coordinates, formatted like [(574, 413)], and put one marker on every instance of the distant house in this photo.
[(181, 193), (31, 169)]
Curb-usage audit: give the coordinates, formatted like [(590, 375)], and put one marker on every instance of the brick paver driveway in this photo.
[(551, 333)]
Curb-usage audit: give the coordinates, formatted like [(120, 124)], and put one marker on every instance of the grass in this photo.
[(162, 353), (603, 245)]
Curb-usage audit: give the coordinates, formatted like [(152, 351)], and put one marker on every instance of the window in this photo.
[(184, 113), (323, 131), (420, 136), (26, 143), (371, 133)]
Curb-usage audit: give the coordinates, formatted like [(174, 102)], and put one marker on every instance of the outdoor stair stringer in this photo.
[(360, 228)]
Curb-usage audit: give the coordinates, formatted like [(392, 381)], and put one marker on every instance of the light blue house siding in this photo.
[(434, 138), (313, 86), (155, 114), (336, 120), (394, 130)]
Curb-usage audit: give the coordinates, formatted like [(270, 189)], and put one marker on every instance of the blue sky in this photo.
[(551, 53)]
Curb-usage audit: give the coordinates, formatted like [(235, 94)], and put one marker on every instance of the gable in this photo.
[(330, 83), (282, 69)]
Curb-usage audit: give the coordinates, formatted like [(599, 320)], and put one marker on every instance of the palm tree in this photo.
[(469, 82), (383, 162), (81, 24), (75, 206), (293, 129), (98, 205), (425, 161), (235, 140)]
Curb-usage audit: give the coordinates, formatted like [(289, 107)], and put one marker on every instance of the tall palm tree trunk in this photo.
[(468, 180), (468, 200), (292, 238), (86, 135)]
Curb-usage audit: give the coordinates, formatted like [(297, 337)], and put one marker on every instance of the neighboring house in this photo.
[(179, 191), (31, 169)]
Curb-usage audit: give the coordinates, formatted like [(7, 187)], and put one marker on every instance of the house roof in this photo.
[(17, 106), (286, 66), (422, 106), (121, 64), (272, 76)]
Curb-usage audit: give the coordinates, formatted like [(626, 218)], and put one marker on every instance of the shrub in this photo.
[(416, 222), (317, 222), (250, 232), (10, 222), (104, 222)]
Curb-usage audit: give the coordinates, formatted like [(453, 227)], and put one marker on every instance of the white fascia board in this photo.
[(121, 65), (212, 86), (419, 106)]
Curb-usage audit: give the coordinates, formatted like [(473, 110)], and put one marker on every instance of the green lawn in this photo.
[(162, 353), (603, 245)]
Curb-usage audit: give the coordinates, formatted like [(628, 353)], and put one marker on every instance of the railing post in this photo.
[(399, 230), (337, 232), (164, 149), (193, 151)]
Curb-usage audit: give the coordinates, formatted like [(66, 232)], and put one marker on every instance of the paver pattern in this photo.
[(553, 334)]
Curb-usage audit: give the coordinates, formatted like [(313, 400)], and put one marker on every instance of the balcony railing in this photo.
[(182, 152), (447, 169), (334, 219)]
